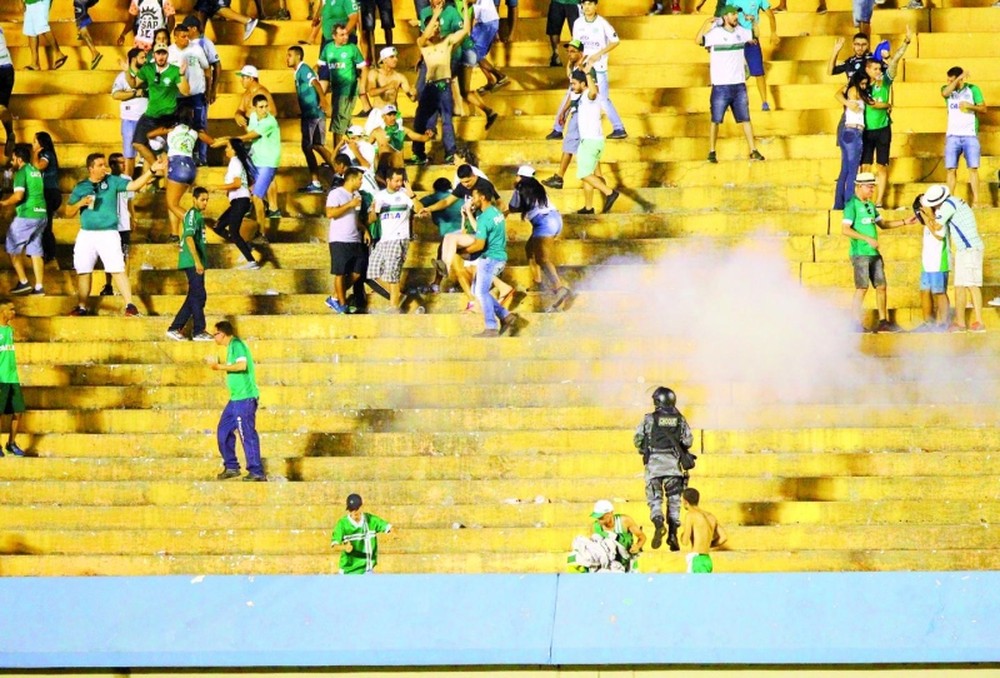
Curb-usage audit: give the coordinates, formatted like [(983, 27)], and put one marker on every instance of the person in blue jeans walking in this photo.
[(491, 247), (854, 99), (240, 416)]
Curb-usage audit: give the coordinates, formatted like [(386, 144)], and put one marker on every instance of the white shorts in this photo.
[(36, 19), (91, 245), (968, 268)]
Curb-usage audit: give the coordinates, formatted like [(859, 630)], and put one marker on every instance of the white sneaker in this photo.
[(995, 301), (250, 266), (251, 25), (175, 335), (915, 4), (203, 336)]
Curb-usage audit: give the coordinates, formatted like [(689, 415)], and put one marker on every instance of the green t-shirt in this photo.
[(877, 118), (242, 385), (265, 151), (8, 363), (396, 136), (364, 542), (451, 22), (343, 62), (336, 12), (309, 104), (863, 217), (194, 226), (447, 220), (32, 206), (492, 227), (103, 216), (162, 88)]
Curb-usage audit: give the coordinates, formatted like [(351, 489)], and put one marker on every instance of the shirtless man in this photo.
[(700, 531), (385, 82), (250, 78)]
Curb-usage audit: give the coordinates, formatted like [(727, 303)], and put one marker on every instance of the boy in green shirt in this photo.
[(25, 233), (240, 415), (11, 398), (357, 535), (192, 259)]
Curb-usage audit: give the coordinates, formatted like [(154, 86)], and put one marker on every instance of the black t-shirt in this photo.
[(852, 65), (463, 193)]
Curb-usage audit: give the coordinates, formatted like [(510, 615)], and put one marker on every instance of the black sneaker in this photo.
[(107, 291), (553, 135), (610, 201), (672, 540), (131, 311), (254, 478), (618, 134), (491, 118), (585, 210), (755, 155), (12, 448), (21, 288), (554, 61), (79, 312), (712, 158), (657, 533), (228, 474), (510, 325), (555, 181)]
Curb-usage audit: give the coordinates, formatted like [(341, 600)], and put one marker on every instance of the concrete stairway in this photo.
[(820, 449)]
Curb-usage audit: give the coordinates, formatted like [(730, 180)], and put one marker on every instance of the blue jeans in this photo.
[(851, 141), (606, 105), (435, 99), (194, 304), (486, 269), (240, 417), (200, 122)]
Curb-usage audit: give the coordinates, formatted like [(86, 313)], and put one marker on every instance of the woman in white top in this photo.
[(181, 168), (237, 188), (854, 98)]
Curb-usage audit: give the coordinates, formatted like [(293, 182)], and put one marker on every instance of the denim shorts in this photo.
[(868, 269), (265, 175), (547, 225), (128, 136), (571, 137), (483, 35), (730, 96), (754, 58), (936, 283), (862, 11), (181, 169), (955, 146)]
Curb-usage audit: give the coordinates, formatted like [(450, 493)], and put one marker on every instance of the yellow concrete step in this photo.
[(565, 515), (478, 541), (120, 465), (510, 562)]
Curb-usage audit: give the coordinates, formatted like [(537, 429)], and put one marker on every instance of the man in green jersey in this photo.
[(348, 79), (95, 199), (877, 136), (861, 223), (623, 528), (240, 415), (192, 260), (24, 237), (700, 531), (313, 109), (11, 398), (357, 536), (164, 82)]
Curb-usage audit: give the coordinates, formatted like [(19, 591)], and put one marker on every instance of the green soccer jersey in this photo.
[(336, 12), (396, 135), (103, 216), (363, 538), (344, 62), (32, 205), (863, 217), (265, 151), (492, 227), (194, 227), (162, 87), (309, 105), (447, 220), (8, 364), (877, 118), (242, 385), (450, 22)]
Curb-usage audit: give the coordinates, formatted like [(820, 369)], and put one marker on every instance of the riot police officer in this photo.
[(664, 438)]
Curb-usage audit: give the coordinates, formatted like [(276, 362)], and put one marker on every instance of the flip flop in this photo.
[(59, 63), (96, 61), (31, 68)]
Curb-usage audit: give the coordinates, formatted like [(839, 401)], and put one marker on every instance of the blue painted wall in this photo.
[(533, 620)]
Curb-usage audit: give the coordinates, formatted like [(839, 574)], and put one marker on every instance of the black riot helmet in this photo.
[(664, 398)]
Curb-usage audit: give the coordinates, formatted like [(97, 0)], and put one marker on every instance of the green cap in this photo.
[(575, 44), (729, 9)]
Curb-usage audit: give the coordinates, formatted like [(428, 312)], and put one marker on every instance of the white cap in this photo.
[(249, 71), (526, 171), (389, 108), (386, 53), (601, 508), (355, 131), (935, 195), (865, 178)]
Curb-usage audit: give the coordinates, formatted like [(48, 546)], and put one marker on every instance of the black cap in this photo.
[(191, 21), (353, 502)]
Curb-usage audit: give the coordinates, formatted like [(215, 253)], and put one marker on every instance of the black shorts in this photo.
[(368, 14), (11, 399), (210, 7), (147, 125), (558, 13), (348, 257), (875, 144), (6, 84)]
